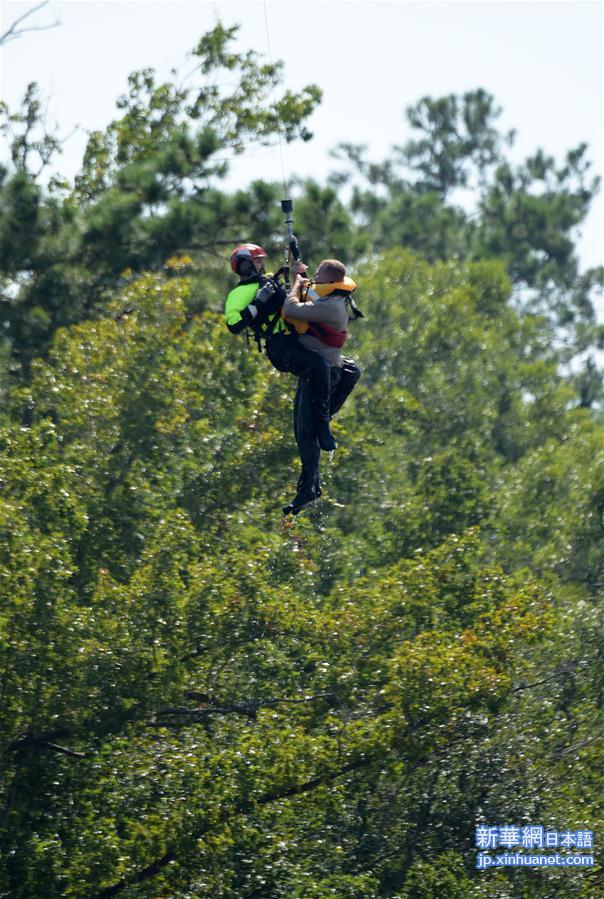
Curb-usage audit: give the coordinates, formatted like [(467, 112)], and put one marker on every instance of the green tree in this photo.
[(147, 189), (452, 191), (200, 700)]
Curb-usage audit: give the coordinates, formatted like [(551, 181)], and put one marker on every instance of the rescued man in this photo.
[(320, 311)]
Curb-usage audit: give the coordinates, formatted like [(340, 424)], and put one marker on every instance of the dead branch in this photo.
[(13, 32)]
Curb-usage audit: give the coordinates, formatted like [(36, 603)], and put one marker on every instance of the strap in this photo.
[(327, 335), (354, 309), (263, 334)]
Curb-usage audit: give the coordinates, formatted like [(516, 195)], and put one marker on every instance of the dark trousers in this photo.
[(342, 382), (322, 391), (287, 354)]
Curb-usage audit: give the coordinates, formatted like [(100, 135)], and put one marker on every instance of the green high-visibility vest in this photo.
[(240, 298)]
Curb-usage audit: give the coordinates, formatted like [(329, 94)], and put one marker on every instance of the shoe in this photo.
[(326, 438), (300, 501)]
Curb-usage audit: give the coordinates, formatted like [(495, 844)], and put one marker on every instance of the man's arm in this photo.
[(312, 311), (266, 301), (238, 321)]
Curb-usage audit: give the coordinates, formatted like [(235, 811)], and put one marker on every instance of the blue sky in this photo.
[(543, 62)]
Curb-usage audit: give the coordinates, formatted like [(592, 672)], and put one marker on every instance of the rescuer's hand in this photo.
[(298, 285), (264, 295), (269, 299)]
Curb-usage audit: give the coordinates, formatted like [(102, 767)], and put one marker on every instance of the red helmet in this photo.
[(246, 251)]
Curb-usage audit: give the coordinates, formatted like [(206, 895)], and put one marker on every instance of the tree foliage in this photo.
[(200, 699), (453, 191), (147, 188)]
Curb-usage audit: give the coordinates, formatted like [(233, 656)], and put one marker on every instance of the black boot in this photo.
[(302, 499), (308, 490)]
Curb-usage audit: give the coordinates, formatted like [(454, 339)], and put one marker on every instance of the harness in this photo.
[(325, 333), (263, 329)]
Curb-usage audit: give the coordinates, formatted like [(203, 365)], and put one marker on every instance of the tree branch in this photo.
[(563, 670), (34, 743), (254, 703), (249, 708), (581, 745), (13, 34), (70, 752)]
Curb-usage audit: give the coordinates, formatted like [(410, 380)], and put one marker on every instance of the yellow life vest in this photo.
[(314, 291), (323, 290)]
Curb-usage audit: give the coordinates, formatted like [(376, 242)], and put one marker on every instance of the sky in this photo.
[(543, 61)]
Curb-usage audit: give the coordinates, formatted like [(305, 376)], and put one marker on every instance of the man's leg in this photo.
[(308, 487), (287, 354), (315, 370), (349, 375)]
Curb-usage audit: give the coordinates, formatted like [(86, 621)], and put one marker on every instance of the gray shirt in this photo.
[(331, 310)]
